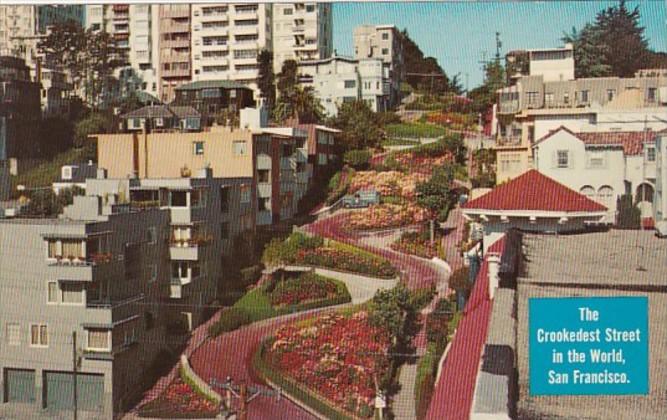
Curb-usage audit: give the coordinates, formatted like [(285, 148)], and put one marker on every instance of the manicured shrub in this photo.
[(459, 280), (230, 320), (357, 159), (304, 288), (421, 297)]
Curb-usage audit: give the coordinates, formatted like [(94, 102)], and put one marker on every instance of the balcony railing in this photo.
[(508, 141)]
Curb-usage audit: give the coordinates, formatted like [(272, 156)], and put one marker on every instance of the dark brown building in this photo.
[(214, 98)]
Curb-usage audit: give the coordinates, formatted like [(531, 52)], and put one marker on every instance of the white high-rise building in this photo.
[(383, 42), (301, 31), (136, 32), (226, 40)]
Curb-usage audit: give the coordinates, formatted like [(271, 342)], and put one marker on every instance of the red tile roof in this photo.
[(631, 141), (534, 191), (455, 390)]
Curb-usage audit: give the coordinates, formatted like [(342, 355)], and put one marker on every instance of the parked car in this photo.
[(361, 199), (661, 229)]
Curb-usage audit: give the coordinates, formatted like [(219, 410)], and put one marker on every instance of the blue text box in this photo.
[(588, 345)]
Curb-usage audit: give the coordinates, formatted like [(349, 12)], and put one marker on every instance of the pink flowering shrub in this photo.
[(305, 288), (388, 215), (179, 400), (338, 357), (339, 259), (388, 183)]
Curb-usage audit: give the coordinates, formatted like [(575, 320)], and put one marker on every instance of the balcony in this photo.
[(175, 290), (175, 27), (175, 43), (184, 253), (264, 189), (512, 141), (245, 60), (79, 270), (246, 30), (508, 107), (175, 11), (172, 57), (176, 73)]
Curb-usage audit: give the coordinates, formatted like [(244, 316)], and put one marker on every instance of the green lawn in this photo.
[(414, 130), (399, 142), (46, 173)]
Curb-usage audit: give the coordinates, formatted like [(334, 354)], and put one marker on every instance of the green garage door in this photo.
[(19, 385), (60, 386)]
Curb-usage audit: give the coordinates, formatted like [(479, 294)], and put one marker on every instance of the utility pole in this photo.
[(74, 366), (243, 407), (499, 45)]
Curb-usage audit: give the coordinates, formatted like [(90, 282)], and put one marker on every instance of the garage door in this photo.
[(60, 387), (19, 385)]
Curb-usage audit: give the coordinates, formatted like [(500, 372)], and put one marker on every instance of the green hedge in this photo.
[(230, 320), (357, 159), (425, 380), (292, 388), (415, 130)]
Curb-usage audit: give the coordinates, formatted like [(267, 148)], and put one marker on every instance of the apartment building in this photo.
[(206, 215), (337, 80), (19, 109), (55, 92), (383, 42), (322, 150), (100, 272), (549, 97), (226, 41), (301, 31), (175, 58), (275, 158), (602, 166), (20, 23), (215, 99), (162, 117), (135, 28)]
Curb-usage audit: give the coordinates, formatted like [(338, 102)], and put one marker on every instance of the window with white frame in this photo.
[(98, 339), (650, 154), (52, 292), (198, 148), (239, 147), (562, 158), (39, 335), (13, 334)]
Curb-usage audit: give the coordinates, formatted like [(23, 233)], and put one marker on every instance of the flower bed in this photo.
[(343, 260), (419, 244), (334, 356), (180, 400), (387, 216), (388, 183), (308, 287)]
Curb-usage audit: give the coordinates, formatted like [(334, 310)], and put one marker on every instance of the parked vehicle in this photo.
[(661, 229), (361, 199)]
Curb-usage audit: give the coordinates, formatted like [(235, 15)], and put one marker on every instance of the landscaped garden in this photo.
[(414, 130), (299, 249), (387, 216), (181, 399), (280, 296), (419, 243), (337, 363)]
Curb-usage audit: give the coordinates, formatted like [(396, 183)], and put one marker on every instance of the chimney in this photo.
[(493, 261)]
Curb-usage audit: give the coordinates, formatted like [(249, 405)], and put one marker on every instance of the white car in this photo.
[(661, 229)]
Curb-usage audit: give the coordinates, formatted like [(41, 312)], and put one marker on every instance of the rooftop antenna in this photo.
[(499, 45)]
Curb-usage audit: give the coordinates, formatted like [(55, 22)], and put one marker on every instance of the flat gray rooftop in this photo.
[(597, 264)]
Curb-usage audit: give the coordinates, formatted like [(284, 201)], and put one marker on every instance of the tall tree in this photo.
[(614, 44), (359, 125), (435, 194), (287, 78), (423, 73), (266, 79), (484, 95)]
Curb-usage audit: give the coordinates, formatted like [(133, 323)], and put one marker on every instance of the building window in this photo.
[(287, 11), (652, 94), (39, 335), (224, 199), (178, 199), (610, 94), (52, 292), (385, 36), (549, 98), (263, 204), (531, 97), (245, 194), (239, 148), (13, 334), (350, 84), (53, 251), (198, 148), (650, 154), (562, 158), (98, 340), (583, 96), (72, 293), (224, 230), (566, 98), (322, 159), (385, 51), (263, 175)]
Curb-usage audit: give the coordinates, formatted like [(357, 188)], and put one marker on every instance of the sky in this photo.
[(459, 33)]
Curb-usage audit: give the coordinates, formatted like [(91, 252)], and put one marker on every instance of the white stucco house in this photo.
[(532, 202), (660, 198), (602, 165)]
